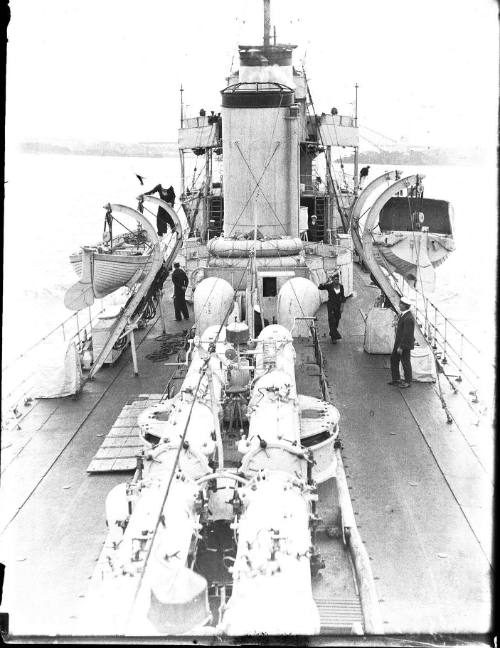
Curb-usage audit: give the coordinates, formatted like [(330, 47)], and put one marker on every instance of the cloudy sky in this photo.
[(112, 69)]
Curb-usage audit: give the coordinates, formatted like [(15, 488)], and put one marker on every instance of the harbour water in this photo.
[(54, 204)]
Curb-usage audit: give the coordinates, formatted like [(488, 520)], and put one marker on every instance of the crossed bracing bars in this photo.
[(258, 185)]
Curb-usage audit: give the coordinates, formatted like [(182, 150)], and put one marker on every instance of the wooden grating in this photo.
[(340, 614), (120, 447)]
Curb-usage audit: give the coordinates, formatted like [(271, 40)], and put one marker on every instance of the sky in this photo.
[(112, 69)]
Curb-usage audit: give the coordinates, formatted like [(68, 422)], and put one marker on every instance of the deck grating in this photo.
[(120, 447), (339, 614)]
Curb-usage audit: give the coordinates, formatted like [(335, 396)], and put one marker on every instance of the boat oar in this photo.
[(81, 294)]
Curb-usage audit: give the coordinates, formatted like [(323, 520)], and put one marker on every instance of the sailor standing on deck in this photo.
[(335, 304), (403, 345), (181, 282)]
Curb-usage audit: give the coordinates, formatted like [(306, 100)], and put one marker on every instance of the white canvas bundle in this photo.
[(380, 330), (58, 372)]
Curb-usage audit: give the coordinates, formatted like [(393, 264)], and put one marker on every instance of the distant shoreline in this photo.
[(108, 149), (429, 156)]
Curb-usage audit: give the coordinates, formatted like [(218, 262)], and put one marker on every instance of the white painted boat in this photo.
[(111, 269), (414, 236), (402, 249), (123, 260)]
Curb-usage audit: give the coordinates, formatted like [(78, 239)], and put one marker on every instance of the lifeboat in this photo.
[(122, 260), (416, 235), (125, 265)]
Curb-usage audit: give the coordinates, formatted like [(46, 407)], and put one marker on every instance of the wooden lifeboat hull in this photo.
[(111, 271), (402, 249)]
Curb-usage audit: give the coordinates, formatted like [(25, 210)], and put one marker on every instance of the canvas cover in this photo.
[(380, 330), (58, 371), (423, 366)]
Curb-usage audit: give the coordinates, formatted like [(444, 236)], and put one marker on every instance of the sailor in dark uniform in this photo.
[(363, 175), (163, 219), (403, 345), (335, 305), (181, 282)]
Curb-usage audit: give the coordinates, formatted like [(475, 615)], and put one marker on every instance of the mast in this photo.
[(182, 106), (356, 148), (267, 23), (181, 152)]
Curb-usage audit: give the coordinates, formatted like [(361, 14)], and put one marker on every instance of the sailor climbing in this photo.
[(403, 345), (363, 175), (163, 219), (181, 282), (335, 304)]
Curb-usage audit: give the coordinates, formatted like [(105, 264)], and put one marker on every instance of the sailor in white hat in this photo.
[(403, 345)]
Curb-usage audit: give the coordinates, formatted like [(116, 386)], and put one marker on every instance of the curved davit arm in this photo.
[(367, 243), (134, 301), (133, 213), (360, 202), (358, 205)]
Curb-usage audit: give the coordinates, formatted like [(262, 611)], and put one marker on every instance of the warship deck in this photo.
[(421, 490)]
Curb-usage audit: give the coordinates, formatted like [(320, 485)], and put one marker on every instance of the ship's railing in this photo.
[(199, 121), (195, 122), (19, 374), (339, 120)]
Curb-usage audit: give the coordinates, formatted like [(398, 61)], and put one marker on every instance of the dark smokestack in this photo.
[(267, 23)]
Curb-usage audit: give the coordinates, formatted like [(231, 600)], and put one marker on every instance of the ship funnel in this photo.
[(267, 23)]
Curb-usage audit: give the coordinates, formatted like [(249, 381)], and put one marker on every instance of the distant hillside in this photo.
[(130, 149), (169, 149), (419, 156)]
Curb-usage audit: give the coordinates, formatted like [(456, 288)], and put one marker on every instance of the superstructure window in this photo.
[(269, 286)]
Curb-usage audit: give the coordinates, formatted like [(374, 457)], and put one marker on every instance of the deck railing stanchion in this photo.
[(78, 328), (445, 360), (434, 346)]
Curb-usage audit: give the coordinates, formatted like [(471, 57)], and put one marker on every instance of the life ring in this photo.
[(106, 237)]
